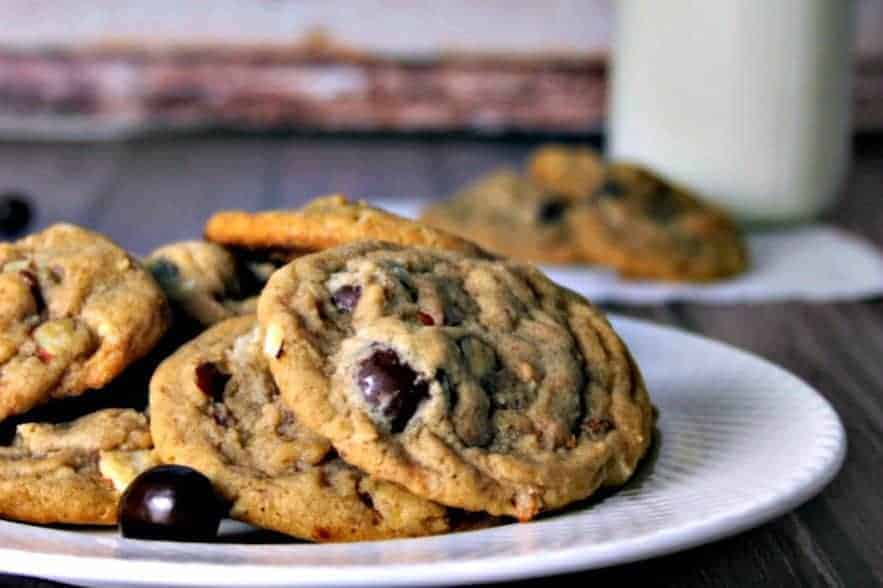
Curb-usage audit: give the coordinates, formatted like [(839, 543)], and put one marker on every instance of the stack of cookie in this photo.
[(572, 207), (77, 312), (394, 381)]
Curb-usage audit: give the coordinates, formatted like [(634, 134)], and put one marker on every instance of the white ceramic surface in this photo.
[(739, 442), (814, 262)]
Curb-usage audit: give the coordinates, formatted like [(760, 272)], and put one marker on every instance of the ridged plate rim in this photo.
[(528, 550)]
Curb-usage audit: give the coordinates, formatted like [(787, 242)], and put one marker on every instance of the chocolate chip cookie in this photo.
[(203, 281), (323, 223), (506, 214), (75, 310), (638, 223), (476, 383), (569, 172), (73, 473), (215, 408)]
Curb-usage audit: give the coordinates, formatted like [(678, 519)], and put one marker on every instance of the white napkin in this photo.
[(814, 262)]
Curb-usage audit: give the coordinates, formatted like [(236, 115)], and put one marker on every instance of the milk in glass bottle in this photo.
[(746, 101)]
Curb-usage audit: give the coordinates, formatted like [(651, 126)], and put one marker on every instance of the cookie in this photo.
[(73, 473), (75, 310), (508, 215), (568, 172), (638, 223), (214, 407), (324, 223), (203, 281), (475, 383)]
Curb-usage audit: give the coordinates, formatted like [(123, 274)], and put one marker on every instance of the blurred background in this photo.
[(108, 68), (265, 103)]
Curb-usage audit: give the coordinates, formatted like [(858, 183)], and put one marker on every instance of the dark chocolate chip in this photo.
[(610, 189), (36, 291), (365, 499), (171, 503), (166, 274), (453, 315), (392, 386), (551, 210), (330, 456), (346, 298), (211, 381), (15, 213), (663, 206)]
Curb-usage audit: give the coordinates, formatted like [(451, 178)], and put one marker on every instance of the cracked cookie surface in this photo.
[(73, 473), (323, 223), (626, 217), (204, 281), (75, 311), (214, 407), (476, 383)]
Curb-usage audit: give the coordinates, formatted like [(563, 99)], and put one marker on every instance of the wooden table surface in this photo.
[(150, 191)]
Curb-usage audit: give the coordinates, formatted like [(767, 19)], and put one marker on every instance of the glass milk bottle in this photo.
[(746, 101)]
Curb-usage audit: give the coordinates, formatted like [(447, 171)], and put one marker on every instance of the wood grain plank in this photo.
[(62, 181), (363, 169), (860, 207), (165, 190), (22, 582), (422, 168), (817, 343)]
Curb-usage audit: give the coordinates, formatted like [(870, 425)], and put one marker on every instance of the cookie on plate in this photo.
[(569, 172), (506, 214), (215, 408), (325, 222), (204, 281), (638, 223), (73, 473), (476, 383), (75, 310)]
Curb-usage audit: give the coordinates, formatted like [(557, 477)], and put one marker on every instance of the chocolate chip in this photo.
[(211, 381), (15, 213), (36, 291), (346, 298), (453, 315), (365, 499), (391, 386), (663, 206), (551, 210), (610, 189), (329, 456), (171, 503), (426, 319), (166, 274)]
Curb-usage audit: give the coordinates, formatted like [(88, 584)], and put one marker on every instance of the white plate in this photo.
[(740, 442), (810, 262)]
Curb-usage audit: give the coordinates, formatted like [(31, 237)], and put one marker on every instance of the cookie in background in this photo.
[(570, 206)]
